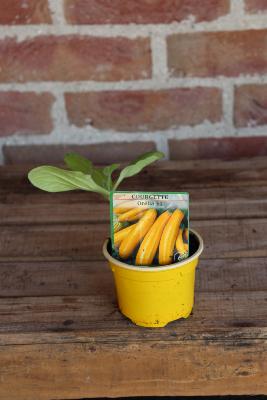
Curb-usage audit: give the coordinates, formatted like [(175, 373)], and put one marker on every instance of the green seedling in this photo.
[(82, 174)]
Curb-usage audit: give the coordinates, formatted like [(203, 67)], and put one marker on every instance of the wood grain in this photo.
[(61, 333), (213, 312), (70, 370), (166, 175), (81, 278), (219, 203), (223, 239)]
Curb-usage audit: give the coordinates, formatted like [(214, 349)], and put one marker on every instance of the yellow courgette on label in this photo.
[(117, 227), (119, 236), (168, 238), (129, 244), (180, 245), (149, 245), (131, 215), (186, 235), (123, 207)]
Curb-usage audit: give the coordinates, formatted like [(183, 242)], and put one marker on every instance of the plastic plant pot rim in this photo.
[(156, 269)]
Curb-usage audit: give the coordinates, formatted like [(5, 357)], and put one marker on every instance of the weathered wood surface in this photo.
[(61, 334), (223, 238), (183, 175), (213, 311), (79, 278), (76, 370), (221, 203)]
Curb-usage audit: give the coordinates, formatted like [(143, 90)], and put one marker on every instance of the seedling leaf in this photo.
[(76, 162), (137, 165), (53, 179)]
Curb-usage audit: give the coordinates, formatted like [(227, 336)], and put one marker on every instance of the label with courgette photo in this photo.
[(149, 229)]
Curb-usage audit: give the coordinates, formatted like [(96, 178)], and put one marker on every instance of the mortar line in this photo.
[(162, 145), (238, 8), (59, 114), (85, 137), (228, 107), (57, 10), (88, 135), (159, 58), (231, 22), (147, 84)]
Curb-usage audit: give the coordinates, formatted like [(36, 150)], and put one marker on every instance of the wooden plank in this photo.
[(213, 312), (220, 203), (199, 195), (238, 274), (223, 343), (55, 213), (38, 197), (238, 336), (83, 278), (54, 242), (74, 343), (253, 163), (163, 176), (233, 238), (228, 203), (222, 238), (149, 369), (65, 278), (166, 181)]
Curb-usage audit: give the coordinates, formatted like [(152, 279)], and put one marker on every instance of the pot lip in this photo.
[(157, 269)]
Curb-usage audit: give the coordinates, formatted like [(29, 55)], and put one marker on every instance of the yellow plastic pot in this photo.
[(154, 296)]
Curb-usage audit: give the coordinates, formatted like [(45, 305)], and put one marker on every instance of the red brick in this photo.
[(250, 105), (221, 148), (131, 111), (70, 58), (255, 6), (143, 11), (25, 113), (21, 12), (218, 53), (101, 153)]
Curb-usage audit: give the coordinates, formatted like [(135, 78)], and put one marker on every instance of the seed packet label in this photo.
[(149, 229)]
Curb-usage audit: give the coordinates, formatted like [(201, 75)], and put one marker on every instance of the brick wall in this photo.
[(142, 74)]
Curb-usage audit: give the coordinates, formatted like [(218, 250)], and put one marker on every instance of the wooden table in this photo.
[(61, 334)]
